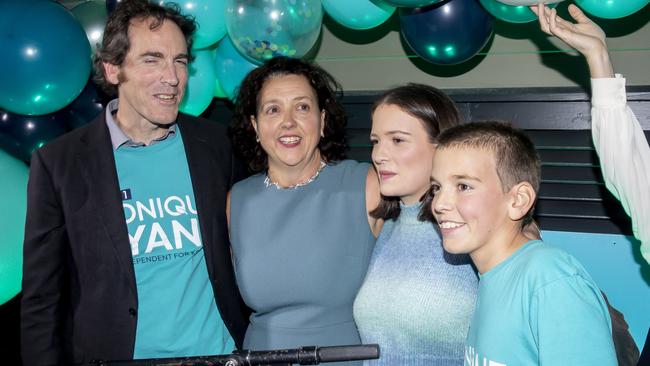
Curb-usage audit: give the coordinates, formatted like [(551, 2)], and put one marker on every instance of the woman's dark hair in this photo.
[(333, 145), (115, 44), (433, 108)]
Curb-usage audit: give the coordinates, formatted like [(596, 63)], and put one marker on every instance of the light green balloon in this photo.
[(201, 83), (231, 66), (511, 13), (13, 185), (218, 90), (210, 17), (611, 9), (358, 14)]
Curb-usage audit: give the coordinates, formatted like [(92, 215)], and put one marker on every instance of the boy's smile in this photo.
[(470, 206)]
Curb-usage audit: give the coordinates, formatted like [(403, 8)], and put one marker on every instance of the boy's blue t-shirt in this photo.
[(539, 307), (177, 311)]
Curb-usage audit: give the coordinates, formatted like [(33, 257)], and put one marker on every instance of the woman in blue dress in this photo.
[(300, 227)]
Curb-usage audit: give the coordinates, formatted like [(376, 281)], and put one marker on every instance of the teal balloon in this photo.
[(232, 67), (412, 3), (611, 9), (44, 63), (263, 29), (358, 14), (92, 17), (13, 186), (200, 85), (210, 18), (511, 13)]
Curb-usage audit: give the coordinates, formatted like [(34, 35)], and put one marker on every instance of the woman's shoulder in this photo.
[(349, 167), (249, 183), (352, 164), (347, 173)]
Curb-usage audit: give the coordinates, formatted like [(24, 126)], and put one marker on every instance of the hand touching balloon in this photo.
[(584, 35)]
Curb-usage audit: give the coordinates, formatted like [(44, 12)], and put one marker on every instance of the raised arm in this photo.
[(584, 35), (618, 137)]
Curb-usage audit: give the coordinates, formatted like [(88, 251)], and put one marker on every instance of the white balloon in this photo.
[(528, 2)]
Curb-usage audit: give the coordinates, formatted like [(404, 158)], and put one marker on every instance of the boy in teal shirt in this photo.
[(536, 304)]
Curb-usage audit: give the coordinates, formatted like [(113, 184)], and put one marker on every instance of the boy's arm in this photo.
[(618, 137), (571, 324)]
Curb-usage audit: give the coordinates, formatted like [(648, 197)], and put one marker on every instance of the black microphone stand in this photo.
[(311, 355)]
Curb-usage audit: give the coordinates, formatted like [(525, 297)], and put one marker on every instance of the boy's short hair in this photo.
[(515, 156)]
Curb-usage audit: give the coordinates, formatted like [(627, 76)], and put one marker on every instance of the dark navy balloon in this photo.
[(86, 107), (111, 5), (447, 33), (21, 135)]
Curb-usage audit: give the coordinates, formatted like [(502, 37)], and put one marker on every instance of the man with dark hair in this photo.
[(126, 250)]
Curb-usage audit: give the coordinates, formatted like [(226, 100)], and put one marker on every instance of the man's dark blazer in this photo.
[(79, 298)]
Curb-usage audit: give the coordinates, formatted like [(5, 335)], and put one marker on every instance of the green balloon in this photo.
[(611, 9), (200, 86), (511, 13), (13, 186), (92, 17), (358, 14)]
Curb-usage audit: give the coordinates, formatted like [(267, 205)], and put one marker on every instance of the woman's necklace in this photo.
[(268, 182)]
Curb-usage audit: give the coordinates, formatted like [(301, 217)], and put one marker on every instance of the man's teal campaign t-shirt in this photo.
[(177, 312)]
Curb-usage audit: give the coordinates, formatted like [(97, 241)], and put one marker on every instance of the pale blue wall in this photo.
[(615, 263)]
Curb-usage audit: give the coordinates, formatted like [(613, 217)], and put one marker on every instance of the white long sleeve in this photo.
[(624, 154)]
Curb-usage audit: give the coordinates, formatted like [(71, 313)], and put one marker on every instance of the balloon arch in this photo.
[(46, 89)]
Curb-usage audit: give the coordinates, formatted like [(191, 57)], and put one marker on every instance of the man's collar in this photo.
[(118, 137)]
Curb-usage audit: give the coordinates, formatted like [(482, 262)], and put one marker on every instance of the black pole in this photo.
[(311, 355)]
